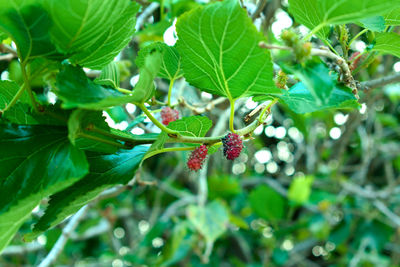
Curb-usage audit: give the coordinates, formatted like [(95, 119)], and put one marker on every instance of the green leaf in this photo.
[(376, 23), (392, 18), (105, 172), (218, 44), (317, 78), (112, 41), (28, 24), (92, 32), (300, 189), (321, 13), (224, 186), (19, 113), (196, 126), (267, 203), (210, 221), (85, 131), (170, 63), (35, 162), (109, 76), (144, 88), (78, 91), (300, 100), (388, 43)]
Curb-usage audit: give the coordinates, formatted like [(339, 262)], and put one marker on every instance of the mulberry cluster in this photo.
[(233, 145), (196, 159), (168, 114)]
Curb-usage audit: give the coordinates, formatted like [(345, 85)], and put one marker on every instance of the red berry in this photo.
[(233, 145), (196, 159), (168, 114)]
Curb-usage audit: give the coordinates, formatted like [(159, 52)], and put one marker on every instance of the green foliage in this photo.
[(170, 63), (110, 76), (300, 100), (267, 203), (387, 43), (87, 130), (220, 53), (392, 17), (319, 181), (210, 221), (37, 151), (28, 24), (104, 172), (300, 189), (318, 15)]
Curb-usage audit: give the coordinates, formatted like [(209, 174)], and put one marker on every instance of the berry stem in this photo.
[(169, 149), (232, 116), (261, 117), (358, 35), (156, 122), (171, 85)]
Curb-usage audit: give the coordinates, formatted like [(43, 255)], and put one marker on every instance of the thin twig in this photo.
[(62, 240), (200, 110), (260, 6), (7, 57), (141, 19), (393, 217), (395, 78)]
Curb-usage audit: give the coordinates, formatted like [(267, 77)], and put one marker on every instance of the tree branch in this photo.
[(395, 78), (324, 52)]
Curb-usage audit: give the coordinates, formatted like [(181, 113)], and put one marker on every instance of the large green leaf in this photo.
[(35, 162), (78, 24), (210, 221), (105, 172), (112, 41), (267, 203), (388, 43), (28, 24), (218, 44), (392, 17), (170, 63), (321, 13), (300, 100)]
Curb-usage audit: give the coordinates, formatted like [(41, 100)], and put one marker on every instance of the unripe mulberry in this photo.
[(168, 114), (197, 157), (233, 145)]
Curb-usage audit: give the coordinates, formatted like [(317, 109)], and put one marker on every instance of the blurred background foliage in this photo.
[(318, 189)]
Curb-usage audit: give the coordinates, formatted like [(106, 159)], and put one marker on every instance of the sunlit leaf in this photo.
[(218, 44)]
